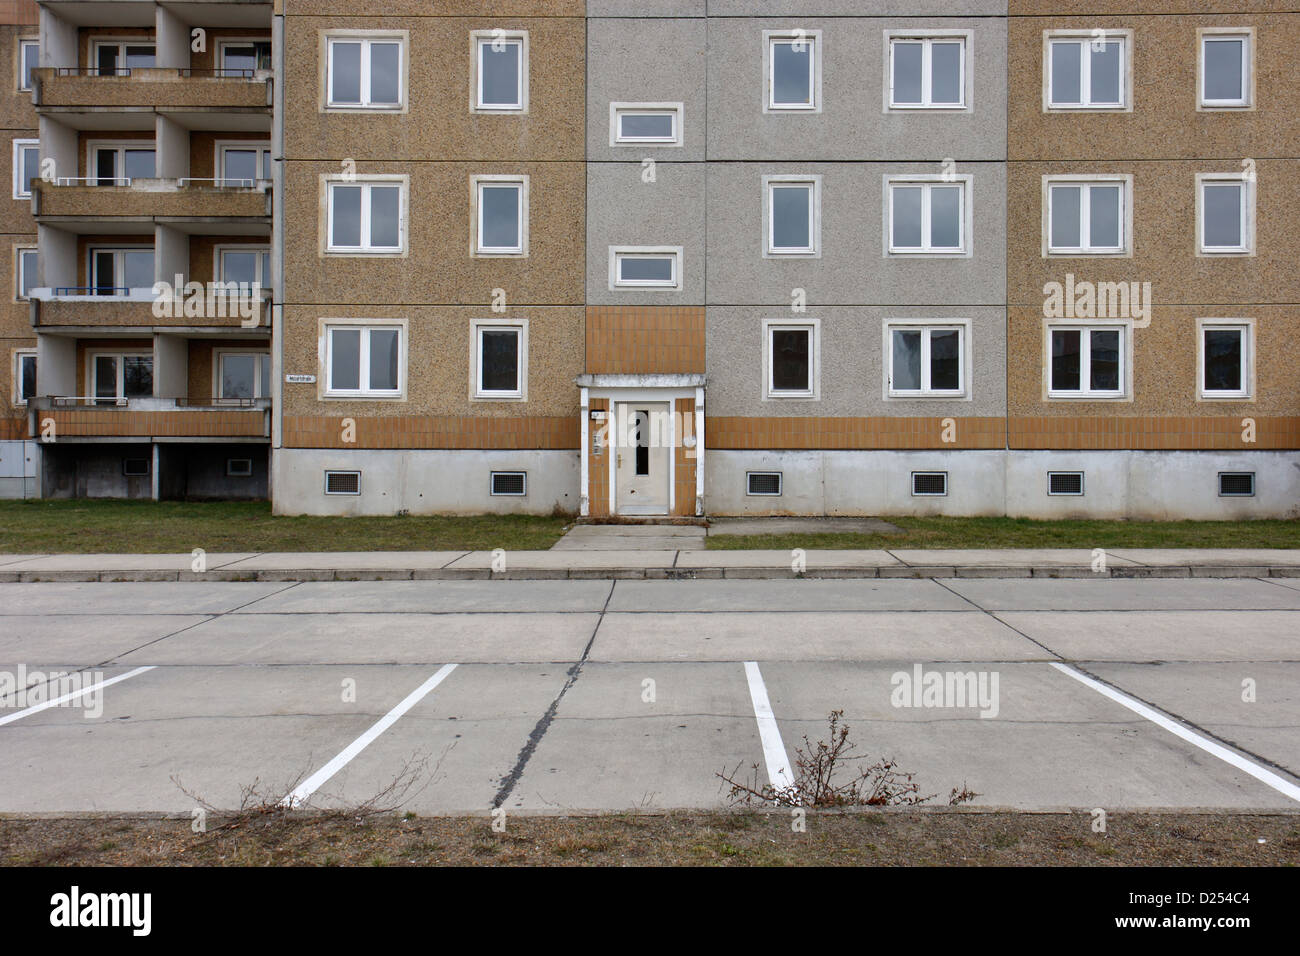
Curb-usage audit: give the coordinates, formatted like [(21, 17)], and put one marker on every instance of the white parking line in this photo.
[(778, 764), (37, 708), (316, 780), (1281, 785)]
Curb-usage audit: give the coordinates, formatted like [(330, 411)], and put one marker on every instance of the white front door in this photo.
[(642, 457)]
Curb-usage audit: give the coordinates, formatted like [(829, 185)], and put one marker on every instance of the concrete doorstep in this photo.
[(664, 558)]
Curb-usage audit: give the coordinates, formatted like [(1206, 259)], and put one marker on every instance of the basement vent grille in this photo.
[(763, 483), (342, 482), (239, 467), (1236, 484), (1065, 482), (929, 483), (510, 483), (135, 467)]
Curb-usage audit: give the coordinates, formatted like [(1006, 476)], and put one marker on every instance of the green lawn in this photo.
[(1023, 533), (156, 527)]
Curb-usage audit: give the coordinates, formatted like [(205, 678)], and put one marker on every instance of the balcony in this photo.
[(105, 100), (83, 417), (191, 205), (70, 310)]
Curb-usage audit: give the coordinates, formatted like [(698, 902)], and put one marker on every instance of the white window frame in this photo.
[(814, 185), (477, 392), (926, 325), (927, 38), (327, 392), (92, 380), (218, 380), (218, 270), (121, 43), (120, 147), (222, 146), (1247, 37), (1086, 37), (119, 274), (18, 356), (19, 271), (1125, 182), (19, 147), (328, 183), (1085, 392), (925, 250), (223, 42), (477, 249), (24, 42), (1247, 247), (620, 109), (365, 38), (617, 254), (1247, 329), (478, 38), (770, 39), (813, 327)]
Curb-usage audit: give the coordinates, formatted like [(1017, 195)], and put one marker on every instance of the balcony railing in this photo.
[(235, 73)]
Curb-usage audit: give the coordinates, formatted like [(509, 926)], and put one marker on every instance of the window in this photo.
[(645, 267), (500, 71), (135, 467), (116, 164), (793, 71), (500, 215), (926, 360), (1226, 80), (790, 358), (792, 205), (248, 264), (1087, 362), (365, 72), (927, 72), (27, 272), (511, 483), (29, 52), (928, 215), (365, 360), (1087, 217), (247, 56), (119, 271), (27, 166), (116, 376), (243, 164), (120, 57), (1087, 71), (500, 359), (24, 376), (239, 467), (243, 375), (367, 217), (1226, 359), (1225, 214), (645, 124)]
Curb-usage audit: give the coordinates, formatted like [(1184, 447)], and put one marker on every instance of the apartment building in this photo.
[(670, 257)]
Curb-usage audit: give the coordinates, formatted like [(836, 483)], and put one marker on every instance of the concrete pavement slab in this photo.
[(200, 597), (1224, 557), (1163, 635), (79, 640), (1001, 558), (798, 526), (786, 595), (436, 596), (1040, 594), (346, 561), (813, 559), (126, 562), (564, 560), (7, 559)]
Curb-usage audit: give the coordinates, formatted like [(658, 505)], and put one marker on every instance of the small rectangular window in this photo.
[(929, 483), (365, 72), (1225, 214), (243, 375), (928, 217), (367, 217), (501, 215), (1225, 360), (792, 205), (118, 164), (645, 124), (27, 166), (927, 72), (1236, 484), (500, 71), (24, 376), (239, 467), (1225, 69), (342, 482), (365, 361), (120, 57), (29, 52), (1088, 72), (1087, 217), (792, 70), (763, 483), (119, 271), (248, 264), (135, 467), (28, 271), (1065, 483), (1087, 362), (242, 165), (645, 267), (245, 57), (926, 361), (791, 359), (510, 483)]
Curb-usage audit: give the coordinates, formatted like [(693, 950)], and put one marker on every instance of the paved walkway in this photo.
[(632, 537), (684, 557)]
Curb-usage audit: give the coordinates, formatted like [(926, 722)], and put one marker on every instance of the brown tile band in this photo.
[(638, 340), (446, 431), (113, 423), (849, 433), (1156, 433), (13, 429), (19, 12)]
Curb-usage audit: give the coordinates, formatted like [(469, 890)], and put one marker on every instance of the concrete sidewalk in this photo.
[(660, 564)]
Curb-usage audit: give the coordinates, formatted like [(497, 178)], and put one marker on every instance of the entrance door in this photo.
[(643, 446)]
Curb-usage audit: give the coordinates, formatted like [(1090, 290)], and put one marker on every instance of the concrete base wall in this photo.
[(19, 469), (423, 482), (93, 471), (1117, 484)]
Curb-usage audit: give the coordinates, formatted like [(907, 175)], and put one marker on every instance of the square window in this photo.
[(1225, 69), (645, 267), (365, 360), (500, 71), (793, 209), (645, 124), (1225, 359), (116, 377), (27, 166), (365, 72), (1225, 214), (791, 359), (500, 218), (928, 216), (793, 71), (247, 264), (29, 53), (927, 72), (1086, 70), (926, 360), (1086, 217), (367, 217), (501, 357), (243, 375), (1087, 362)]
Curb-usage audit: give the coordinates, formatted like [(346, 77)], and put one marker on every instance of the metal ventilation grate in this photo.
[(509, 483), (1236, 484), (342, 482), (929, 483), (1065, 482), (763, 482)]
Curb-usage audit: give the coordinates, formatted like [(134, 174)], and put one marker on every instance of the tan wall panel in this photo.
[(444, 8), (1028, 8), (16, 110)]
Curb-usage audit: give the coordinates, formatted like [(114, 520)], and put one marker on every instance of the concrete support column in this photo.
[(172, 143), (171, 254), (57, 260), (171, 365), (56, 365), (59, 143), (58, 40), (173, 38)]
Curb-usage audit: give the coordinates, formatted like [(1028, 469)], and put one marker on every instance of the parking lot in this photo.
[(604, 695)]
